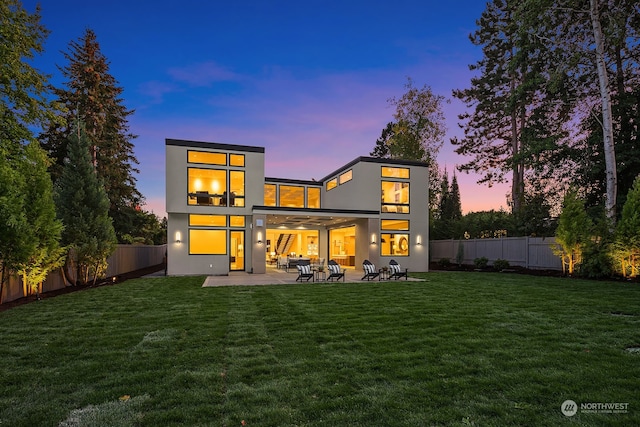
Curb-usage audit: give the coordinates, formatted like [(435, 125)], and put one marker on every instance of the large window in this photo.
[(313, 197), (291, 196), (206, 186), (395, 197), (207, 242), (394, 244)]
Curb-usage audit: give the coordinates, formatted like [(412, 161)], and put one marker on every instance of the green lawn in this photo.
[(459, 349)]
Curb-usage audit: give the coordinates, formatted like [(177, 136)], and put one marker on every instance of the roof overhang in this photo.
[(291, 218)]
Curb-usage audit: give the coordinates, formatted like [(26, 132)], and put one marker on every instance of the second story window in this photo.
[(270, 195), (395, 197), (313, 197), (206, 186), (291, 196)]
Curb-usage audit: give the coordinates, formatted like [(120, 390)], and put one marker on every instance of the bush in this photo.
[(481, 262), (501, 264), (445, 262)]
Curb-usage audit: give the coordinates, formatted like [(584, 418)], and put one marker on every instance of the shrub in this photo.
[(445, 262), (501, 264), (481, 262)]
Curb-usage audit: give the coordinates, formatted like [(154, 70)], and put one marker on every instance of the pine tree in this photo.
[(83, 207), (92, 95), (454, 199), (515, 119)]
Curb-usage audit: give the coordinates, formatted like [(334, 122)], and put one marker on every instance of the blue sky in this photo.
[(307, 80)]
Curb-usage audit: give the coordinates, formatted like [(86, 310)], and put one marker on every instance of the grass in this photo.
[(459, 349)]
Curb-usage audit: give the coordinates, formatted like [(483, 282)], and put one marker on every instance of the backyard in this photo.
[(460, 348)]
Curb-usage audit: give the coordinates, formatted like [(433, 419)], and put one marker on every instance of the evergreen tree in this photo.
[(455, 205), (83, 207), (44, 229), (381, 150), (26, 228), (515, 119), (92, 95)]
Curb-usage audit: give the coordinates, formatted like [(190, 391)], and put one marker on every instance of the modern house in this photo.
[(225, 215)]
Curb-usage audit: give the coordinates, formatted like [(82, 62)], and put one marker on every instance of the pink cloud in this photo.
[(202, 74)]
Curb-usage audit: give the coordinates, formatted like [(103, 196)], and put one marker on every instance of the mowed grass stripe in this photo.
[(458, 349)]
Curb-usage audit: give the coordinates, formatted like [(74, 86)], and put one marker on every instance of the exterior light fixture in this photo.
[(178, 237), (259, 236), (419, 240), (373, 239)]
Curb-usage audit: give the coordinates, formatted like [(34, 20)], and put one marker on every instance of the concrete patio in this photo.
[(274, 276)]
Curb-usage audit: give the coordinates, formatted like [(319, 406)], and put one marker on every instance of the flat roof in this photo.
[(214, 145)]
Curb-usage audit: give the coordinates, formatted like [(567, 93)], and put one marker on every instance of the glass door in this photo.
[(236, 259)]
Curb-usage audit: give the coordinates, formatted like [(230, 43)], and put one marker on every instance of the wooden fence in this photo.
[(527, 252), (125, 259)]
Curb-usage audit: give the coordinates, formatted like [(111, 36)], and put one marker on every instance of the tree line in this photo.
[(553, 107), (67, 168)]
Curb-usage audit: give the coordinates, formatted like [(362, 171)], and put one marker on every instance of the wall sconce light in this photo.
[(373, 239), (178, 237), (419, 240), (259, 236)]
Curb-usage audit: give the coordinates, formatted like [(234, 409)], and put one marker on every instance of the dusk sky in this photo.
[(307, 80)]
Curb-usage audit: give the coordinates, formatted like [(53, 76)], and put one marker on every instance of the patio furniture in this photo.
[(396, 271), (304, 272), (369, 269), (335, 271)]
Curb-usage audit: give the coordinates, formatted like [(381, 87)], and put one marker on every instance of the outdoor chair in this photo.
[(304, 272), (396, 272), (369, 269), (335, 272)]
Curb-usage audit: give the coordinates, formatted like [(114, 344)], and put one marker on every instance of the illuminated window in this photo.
[(395, 197), (208, 220), (291, 196), (347, 176), (389, 172), (207, 242), (394, 224), (207, 158), (394, 244), (331, 184), (236, 197), (269, 194), (236, 221), (206, 186), (236, 160), (313, 197)]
